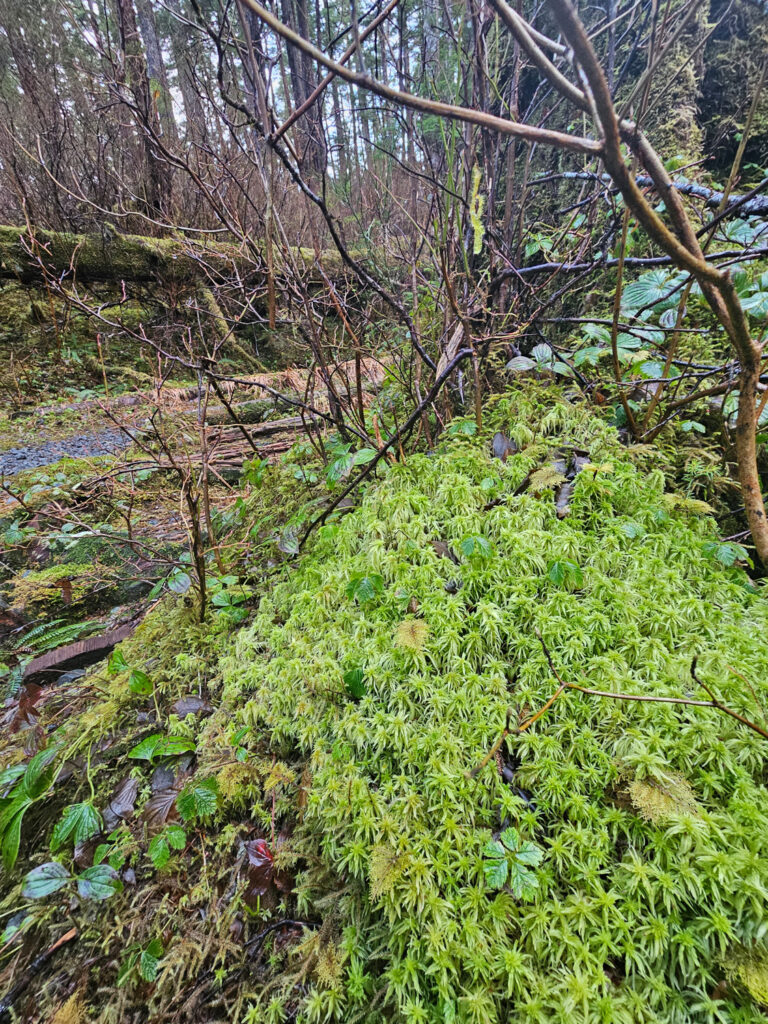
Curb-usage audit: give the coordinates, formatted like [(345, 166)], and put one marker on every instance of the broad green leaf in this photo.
[(476, 547), (39, 774), (522, 882), (632, 530), (510, 837), (176, 836), (44, 880), (494, 850), (117, 662), (149, 961), (139, 682), (364, 456), (179, 582), (145, 750), (529, 854), (98, 883), (365, 588)]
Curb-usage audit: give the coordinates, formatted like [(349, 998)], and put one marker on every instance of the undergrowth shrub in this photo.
[(652, 818)]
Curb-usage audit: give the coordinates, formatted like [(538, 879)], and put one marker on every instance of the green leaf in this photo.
[(46, 879), (632, 530), (198, 799), (39, 773), (495, 872), (365, 588), (179, 582), (139, 682), (158, 851), (9, 775), (79, 822), (149, 960), (98, 883), (354, 680), (726, 552), (12, 838), (476, 546), (563, 570), (126, 970), (510, 837), (117, 662), (522, 882), (159, 745), (364, 456), (529, 854), (177, 837), (494, 850)]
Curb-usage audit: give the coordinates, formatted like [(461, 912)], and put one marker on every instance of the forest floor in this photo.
[(302, 807)]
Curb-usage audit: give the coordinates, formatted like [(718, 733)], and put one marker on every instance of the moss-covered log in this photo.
[(113, 257)]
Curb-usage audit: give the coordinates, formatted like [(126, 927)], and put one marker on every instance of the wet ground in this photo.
[(43, 453)]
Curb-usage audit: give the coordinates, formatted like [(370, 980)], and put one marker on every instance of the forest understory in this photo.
[(383, 547)]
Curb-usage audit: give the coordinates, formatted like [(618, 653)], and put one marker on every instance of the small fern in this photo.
[(50, 635)]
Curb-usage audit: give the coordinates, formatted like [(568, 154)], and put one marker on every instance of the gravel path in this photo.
[(14, 460)]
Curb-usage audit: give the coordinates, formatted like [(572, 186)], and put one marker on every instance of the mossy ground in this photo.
[(652, 818)]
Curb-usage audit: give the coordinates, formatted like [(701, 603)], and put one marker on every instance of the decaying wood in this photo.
[(58, 659)]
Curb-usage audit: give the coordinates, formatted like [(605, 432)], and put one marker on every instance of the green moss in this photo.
[(54, 588), (633, 909)]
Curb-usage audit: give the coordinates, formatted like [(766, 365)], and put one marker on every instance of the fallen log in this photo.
[(135, 258), (90, 649)]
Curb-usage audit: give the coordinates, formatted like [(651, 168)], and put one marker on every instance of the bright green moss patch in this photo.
[(652, 819)]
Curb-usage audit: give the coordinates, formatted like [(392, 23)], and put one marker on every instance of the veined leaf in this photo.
[(44, 880)]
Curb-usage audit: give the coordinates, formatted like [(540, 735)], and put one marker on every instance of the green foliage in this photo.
[(563, 571), (31, 785), (364, 588), (508, 859), (641, 894), (158, 745), (159, 851), (96, 883), (78, 823), (198, 800)]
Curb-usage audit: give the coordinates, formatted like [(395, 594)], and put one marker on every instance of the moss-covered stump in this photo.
[(652, 819)]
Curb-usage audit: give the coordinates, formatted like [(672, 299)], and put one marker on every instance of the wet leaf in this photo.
[(191, 705), (198, 799), (44, 880), (149, 961), (261, 870), (160, 807), (139, 682), (503, 447), (160, 745), (99, 883), (122, 803)]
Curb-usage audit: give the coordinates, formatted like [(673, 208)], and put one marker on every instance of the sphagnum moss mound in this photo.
[(639, 907)]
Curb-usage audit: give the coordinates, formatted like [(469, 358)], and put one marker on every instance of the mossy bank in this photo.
[(343, 726)]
